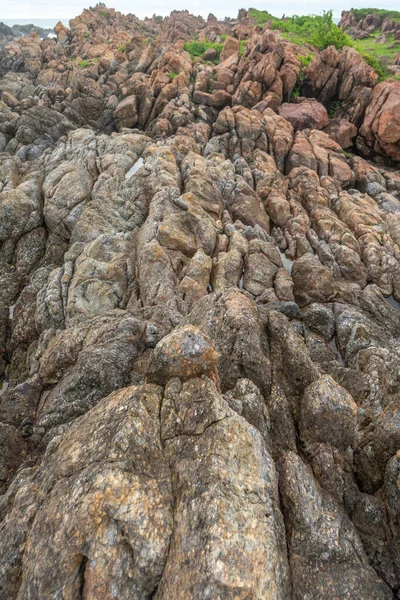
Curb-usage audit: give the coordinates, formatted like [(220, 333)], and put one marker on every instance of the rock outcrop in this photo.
[(199, 316)]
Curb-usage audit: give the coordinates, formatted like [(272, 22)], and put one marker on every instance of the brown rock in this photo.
[(312, 280), (341, 131), (380, 130), (328, 414), (305, 115), (126, 112), (185, 353), (231, 46)]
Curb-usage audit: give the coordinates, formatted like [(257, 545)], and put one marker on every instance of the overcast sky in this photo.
[(57, 9)]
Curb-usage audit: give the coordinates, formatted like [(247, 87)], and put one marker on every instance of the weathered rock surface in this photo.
[(199, 315)]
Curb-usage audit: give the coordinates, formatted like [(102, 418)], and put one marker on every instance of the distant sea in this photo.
[(44, 23)]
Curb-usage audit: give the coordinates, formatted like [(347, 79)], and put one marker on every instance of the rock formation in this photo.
[(199, 316)]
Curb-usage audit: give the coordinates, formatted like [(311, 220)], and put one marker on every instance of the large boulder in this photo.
[(305, 115), (380, 131)]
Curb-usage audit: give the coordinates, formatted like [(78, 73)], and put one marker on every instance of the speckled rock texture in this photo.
[(199, 316)]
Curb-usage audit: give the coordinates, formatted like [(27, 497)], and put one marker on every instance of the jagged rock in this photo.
[(380, 132), (324, 547), (196, 292), (126, 112), (231, 46), (341, 131)]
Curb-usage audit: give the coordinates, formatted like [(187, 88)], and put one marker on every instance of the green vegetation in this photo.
[(172, 75), (376, 64), (199, 48), (296, 92), (377, 55), (305, 60), (373, 48), (261, 16), (334, 105), (86, 35), (361, 13), (317, 30), (122, 48), (242, 47), (82, 64)]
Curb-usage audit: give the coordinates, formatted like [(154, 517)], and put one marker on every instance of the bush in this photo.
[(122, 48), (86, 35), (199, 48), (318, 30), (172, 75), (82, 64)]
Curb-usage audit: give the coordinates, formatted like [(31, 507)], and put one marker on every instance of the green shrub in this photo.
[(86, 35), (82, 64), (334, 105), (318, 30), (261, 16), (172, 75), (296, 92), (122, 48), (199, 48), (305, 60)]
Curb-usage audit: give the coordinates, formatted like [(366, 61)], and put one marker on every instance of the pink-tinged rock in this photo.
[(380, 131), (307, 114), (341, 131)]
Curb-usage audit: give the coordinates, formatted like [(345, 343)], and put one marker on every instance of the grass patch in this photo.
[(261, 16), (82, 64), (370, 47), (122, 48), (377, 55), (242, 47), (172, 75)]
